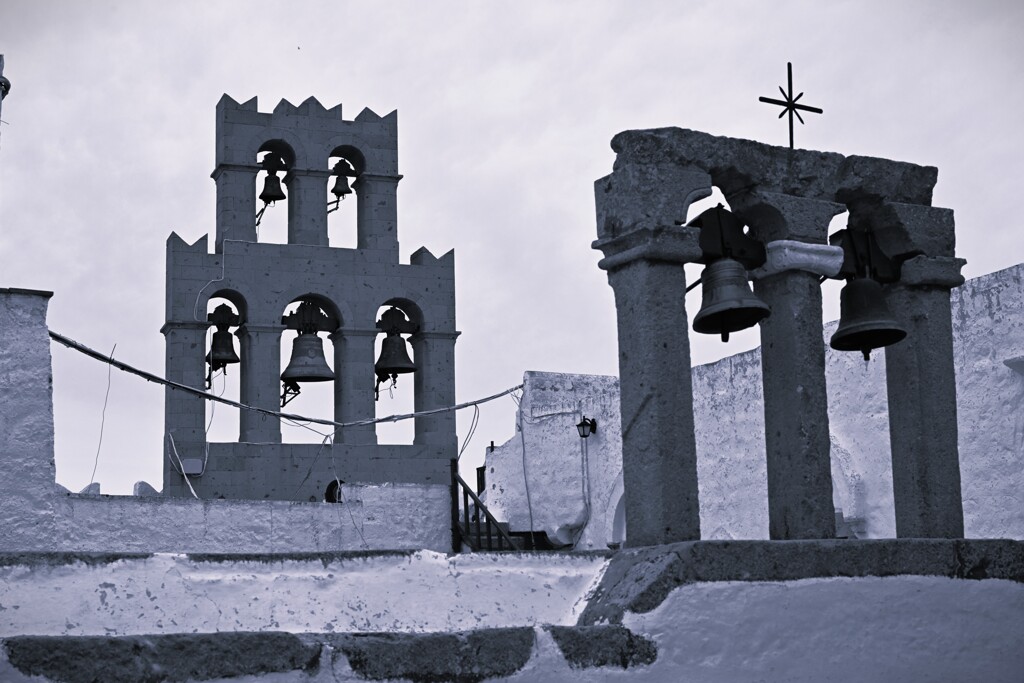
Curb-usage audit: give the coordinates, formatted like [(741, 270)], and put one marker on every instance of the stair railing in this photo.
[(469, 528)]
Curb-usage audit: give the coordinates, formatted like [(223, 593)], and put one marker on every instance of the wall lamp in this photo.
[(586, 427)]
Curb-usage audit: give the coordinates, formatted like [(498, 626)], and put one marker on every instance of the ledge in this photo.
[(638, 580)]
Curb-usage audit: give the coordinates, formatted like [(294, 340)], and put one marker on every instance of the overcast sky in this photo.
[(505, 113)]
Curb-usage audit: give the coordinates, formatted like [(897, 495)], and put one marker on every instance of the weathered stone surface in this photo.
[(783, 255), (585, 647), (174, 657), (466, 657), (932, 271), (638, 580), (735, 165), (646, 196)]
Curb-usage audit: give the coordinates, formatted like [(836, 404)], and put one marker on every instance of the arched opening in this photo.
[(275, 158), (619, 524), (226, 313), (395, 365), (346, 163), (831, 288), (307, 367), (707, 348)]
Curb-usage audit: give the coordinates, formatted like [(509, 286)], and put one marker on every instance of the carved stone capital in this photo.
[(932, 271), (676, 244), (774, 216), (785, 255), (646, 196)]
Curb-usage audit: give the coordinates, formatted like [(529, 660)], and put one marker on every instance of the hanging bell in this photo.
[(728, 303), (308, 363), (222, 351), (865, 322), (272, 191), (394, 358), (341, 187)]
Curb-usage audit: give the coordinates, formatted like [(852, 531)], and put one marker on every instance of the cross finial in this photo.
[(790, 105)]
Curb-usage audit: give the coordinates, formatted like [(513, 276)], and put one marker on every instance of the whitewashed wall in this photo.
[(988, 319)]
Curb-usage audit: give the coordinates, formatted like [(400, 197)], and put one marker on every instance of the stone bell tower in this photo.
[(339, 291)]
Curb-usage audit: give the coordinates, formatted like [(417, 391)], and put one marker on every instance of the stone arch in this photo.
[(615, 513), (236, 298)]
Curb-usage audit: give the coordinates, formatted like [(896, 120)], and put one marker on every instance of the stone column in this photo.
[(236, 203), (922, 401), (434, 355), (797, 444), (353, 386), (260, 383), (184, 414), (644, 253), (307, 207), (377, 212)]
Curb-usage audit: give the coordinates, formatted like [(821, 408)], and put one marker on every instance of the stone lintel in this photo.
[(736, 165), (639, 196), (937, 271), (676, 244), (788, 255)]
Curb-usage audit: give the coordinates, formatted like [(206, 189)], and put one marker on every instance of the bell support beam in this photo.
[(797, 444), (434, 387), (922, 401), (260, 384), (236, 203), (307, 207), (185, 364), (353, 388), (639, 207)]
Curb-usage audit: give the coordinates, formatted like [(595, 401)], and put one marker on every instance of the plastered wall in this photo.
[(988, 318)]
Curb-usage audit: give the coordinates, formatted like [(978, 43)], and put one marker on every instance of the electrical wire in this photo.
[(103, 421), (150, 377), (181, 465)]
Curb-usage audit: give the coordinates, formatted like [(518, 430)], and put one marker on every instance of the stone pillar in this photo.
[(307, 207), (638, 207), (260, 382), (922, 401), (797, 444), (377, 212), (27, 487), (434, 355), (184, 414), (353, 388), (236, 203)]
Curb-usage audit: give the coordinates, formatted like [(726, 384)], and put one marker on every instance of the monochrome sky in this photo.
[(505, 113)]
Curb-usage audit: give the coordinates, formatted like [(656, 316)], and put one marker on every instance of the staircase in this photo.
[(476, 529)]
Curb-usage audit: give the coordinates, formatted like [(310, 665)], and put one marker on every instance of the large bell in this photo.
[(272, 191), (308, 363), (341, 187), (728, 304), (394, 358), (865, 322), (222, 351)]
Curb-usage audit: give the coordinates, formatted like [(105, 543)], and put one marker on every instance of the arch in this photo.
[(411, 309), (615, 522), (326, 304), (236, 298), (281, 148), (352, 155), (277, 140)]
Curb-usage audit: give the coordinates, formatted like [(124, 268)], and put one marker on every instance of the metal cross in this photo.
[(789, 104)]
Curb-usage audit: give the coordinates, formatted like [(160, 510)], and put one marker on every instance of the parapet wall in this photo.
[(39, 515)]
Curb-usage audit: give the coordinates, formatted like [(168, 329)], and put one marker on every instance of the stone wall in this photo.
[(39, 515), (988, 319)]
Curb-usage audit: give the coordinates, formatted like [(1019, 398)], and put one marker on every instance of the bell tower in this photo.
[(313, 160)]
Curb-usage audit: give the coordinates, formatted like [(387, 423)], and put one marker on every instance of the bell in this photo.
[(222, 351), (341, 187), (865, 322), (394, 358), (272, 191), (728, 304), (308, 363)]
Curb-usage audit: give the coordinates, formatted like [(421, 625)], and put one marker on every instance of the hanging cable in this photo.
[(103, 421), (150, 377)]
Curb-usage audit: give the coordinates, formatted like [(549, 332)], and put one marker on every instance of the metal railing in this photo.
[(477, 527)]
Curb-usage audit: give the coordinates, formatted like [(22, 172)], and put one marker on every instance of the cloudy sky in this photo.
[(505, 114)]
